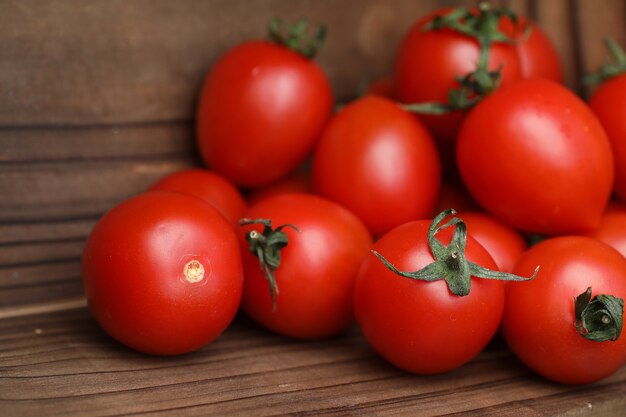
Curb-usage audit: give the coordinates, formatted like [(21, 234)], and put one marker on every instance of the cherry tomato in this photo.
[(379, 162), (504, 244), (317, 268), (537, 54), (299, 182), (535, 156), (419, 326), (261, 110), (453, 194), (540, 324), (612, 229), (382, 87), (162, 273), (210, 187), (608, 102), (429, 62)]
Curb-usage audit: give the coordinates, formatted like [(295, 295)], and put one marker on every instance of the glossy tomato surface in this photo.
[(612, 228), (418, 326), (318, 267), (535, 156), (537, 54), (608, 102), (379, 162), (208, 186), (429, 62), (538, 321), (504, 243), (162, 273), (260, 112)]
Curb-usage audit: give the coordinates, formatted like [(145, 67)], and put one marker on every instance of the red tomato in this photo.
[(535, 156), (379, 162), (539, 318), (299, 182), (382, 87), (612, 229), (418, 326), (537, 55), (608, 102), (504, 244), (260, 112), (429, 63), (162, 273), (210, 187), (315, 278), (453, 194)]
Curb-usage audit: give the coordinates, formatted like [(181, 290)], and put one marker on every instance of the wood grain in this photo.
[(62, 364)]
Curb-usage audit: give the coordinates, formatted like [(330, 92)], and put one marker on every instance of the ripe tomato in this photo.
[(453, 194), (318, 266), (162, 273), (379, 162), (612, 229), (429, 62), (535, 156), (260, 112), (210, 187), (537, 55), (539, 322), (504, 244), (299, 182), (381, 87), (423, 327), (608, 102)]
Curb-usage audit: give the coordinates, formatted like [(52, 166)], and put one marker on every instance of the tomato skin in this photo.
[(318, 267), (418, 326), (538, 321), (535, 156), (504, 244), (608, 102), (382, 86), (299, 182), (612, 229), (134, 273), (537, 54), (260, 112), (428, 63), (379, 162), (210, 187)]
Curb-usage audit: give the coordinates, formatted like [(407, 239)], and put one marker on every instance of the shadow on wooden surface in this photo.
[(62, 364)]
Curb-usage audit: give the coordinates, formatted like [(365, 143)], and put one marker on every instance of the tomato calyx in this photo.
[(267, 246), (612, 69), (297, 36), (599, 319), (450, 262), (481, 82)]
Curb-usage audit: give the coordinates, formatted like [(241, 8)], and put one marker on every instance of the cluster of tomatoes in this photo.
[(475, 116)]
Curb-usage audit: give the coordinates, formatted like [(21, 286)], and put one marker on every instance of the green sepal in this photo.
[(599, 319), (297, 36), (481, 82), (267, 246), (450, 262), (610, 70)]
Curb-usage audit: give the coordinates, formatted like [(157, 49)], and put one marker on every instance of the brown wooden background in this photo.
[(97, 101)]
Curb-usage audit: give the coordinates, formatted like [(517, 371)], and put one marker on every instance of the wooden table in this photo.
[(62, 364)]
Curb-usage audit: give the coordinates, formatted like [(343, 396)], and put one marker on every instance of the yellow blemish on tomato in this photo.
[(193, 271)]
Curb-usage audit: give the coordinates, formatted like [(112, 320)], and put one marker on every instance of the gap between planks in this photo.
[(52, 307)]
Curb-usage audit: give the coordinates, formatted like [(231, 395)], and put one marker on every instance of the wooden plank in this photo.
[(67, 144), (48, 191), (62, 364), (557, 19), (38, 232), (91, 62)]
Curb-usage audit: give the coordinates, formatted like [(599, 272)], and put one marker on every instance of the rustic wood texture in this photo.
[(62, 364), (97, 103)]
